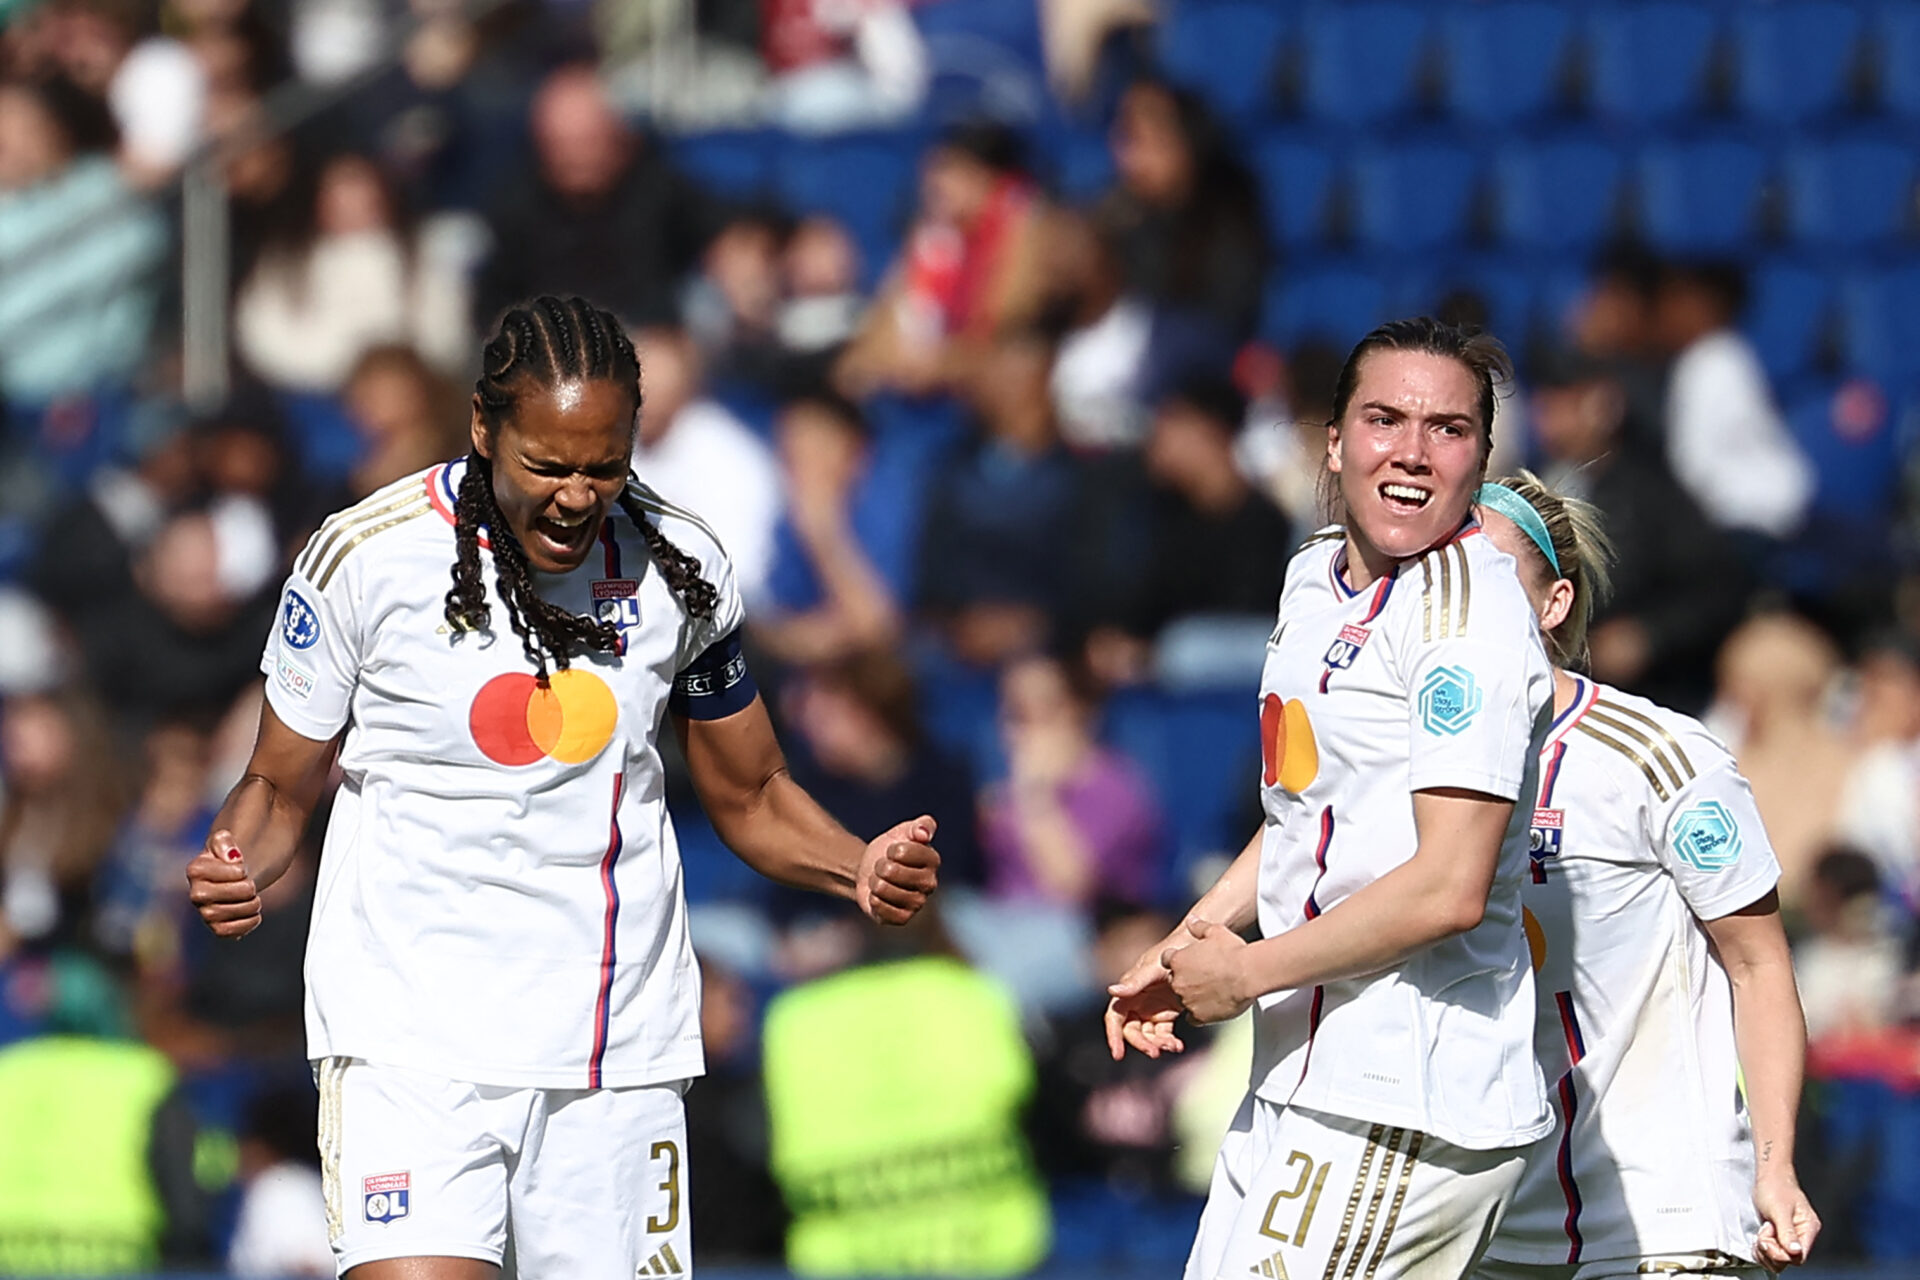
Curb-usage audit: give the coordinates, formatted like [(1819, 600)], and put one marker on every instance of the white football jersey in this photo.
[(1433, 677), (499, 896), (1643, 828)]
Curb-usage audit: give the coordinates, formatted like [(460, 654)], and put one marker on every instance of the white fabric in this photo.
[(1880, 813), (301, 323), (557, 1182), (158, 95), (1096, 379), (1446, 686), (712, 462), (1301, 1194), (282, 1228), (1668, 1266), (1727, 442), (1645, 827), (502, 923)]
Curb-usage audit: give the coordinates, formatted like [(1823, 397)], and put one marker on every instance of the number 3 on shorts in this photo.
[(1307, 1173), (671, 1186)]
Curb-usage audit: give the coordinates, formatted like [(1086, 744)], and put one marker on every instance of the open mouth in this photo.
[(565, 539), (1404, 498)]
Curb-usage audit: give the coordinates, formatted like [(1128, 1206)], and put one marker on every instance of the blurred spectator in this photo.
[(1186, 213), (408, 416), (1210, 590), (894, 1094), (1612, 323), (1880, 806), (1073, 821), (605, 214), (137, 913), (97, 1172), (1101, 377), (823, 305), (1283, 446), (282, 1226), (997, 573), (862, 753), (970, 269), (696, 453), (732, 307), (1678, 584), (343, 276), (63, 794), (1776, 673), (73, 321), (154, 84), (1849, 965), (737, 1213), (262, 503), (842, 64), (844, 549), (1719, 406)]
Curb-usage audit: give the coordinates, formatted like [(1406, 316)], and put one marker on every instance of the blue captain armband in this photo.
[(714, 685)]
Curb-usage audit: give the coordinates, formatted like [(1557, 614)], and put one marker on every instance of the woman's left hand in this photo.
[(898, 873), (1209, 975)]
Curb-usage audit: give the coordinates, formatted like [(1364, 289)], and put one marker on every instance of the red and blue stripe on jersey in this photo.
[(603, 1004), (1569, 1108)]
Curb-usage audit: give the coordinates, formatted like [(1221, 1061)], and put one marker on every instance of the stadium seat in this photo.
[(1847, 434), (730, 162), (1362, 62), (1299, 178), (1507, 291), (1337, 301), (1202, 752), (1651, 61), (1702, 196), (1228, 53), (1795, 61), (1557, 195), (1894, 41), (1789, 313), (1081, 163), (981, 34), (1416, 196), (866, 180), (1850, 193), (1880, 325), (1505, 61)]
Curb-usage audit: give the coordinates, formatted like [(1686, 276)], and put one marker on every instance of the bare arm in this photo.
[(1770, 1034), (258, 829), (776, 828), (1439, 892)]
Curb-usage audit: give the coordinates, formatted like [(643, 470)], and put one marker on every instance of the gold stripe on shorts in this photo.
[(1373, 1205), (331, 1071), (1353, 1201), (1399, 1198)]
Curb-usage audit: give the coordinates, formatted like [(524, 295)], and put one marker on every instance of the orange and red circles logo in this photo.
[(1288, 753), (517, 720)]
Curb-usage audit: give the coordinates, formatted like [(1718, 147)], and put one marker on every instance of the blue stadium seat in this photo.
[(1334, 300), (731, 162), (1880, 325), (1561, 194), (1415, 196), (981, 33), (1650, 60), (1362, 61), (866, 180), (1795, 60), (1298, 178), (1081, 162), (1788, 313), (1895, 43), (1852, 192), (1702, 196), (1203, 753), (1228, 53), (1509, 291), (1504, 60), (1847, 435)]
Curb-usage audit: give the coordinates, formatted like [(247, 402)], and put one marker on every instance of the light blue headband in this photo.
[(1521, 512)]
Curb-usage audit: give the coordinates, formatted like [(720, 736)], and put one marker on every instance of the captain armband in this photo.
[(714, 685)]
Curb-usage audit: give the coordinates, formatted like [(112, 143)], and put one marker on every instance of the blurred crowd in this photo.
[(1010, 492)]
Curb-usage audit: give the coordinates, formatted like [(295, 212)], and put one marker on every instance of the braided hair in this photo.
[(540, 344)]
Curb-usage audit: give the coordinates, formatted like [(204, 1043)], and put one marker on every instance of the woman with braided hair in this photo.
[(502, 1003)]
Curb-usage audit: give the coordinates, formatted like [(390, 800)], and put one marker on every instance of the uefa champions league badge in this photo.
[(299, 624), (386, 1196)]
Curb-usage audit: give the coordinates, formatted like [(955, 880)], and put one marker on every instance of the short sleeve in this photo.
[(1478, 687), (1714, 844), (729, 613), (312, 658)]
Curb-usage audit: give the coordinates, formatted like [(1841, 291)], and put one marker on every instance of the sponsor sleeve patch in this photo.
[(1449, 700), (1706, 837)]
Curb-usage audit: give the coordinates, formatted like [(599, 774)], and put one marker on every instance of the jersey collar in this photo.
[(443, 488), (1338, 560), (1586, 693)]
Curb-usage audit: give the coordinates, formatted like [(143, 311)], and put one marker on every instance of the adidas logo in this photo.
[(663, 1263), (1273, 1268)]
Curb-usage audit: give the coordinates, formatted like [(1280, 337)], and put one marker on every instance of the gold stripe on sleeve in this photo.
[(1426, 599), (1653, 779), (1353, 1200), (1672, 742), (342, 523), (1446, 593), (1598, 714), (360, 535), (1399, 1198), (1466, 588)]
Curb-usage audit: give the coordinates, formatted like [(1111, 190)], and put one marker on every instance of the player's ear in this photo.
[(477, 429), (1559, 605), (1333, 447)]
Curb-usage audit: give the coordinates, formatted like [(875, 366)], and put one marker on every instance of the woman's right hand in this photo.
[(1143, 1007), (222, 889)]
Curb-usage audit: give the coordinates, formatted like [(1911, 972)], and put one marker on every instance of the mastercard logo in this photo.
[(517, 719), (1288, 752)]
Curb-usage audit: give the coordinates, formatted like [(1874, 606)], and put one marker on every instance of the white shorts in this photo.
[(1303, 1195), (1668, 1266), (587, 1183)]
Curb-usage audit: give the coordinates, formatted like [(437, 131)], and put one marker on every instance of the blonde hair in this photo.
[(1580, 542)]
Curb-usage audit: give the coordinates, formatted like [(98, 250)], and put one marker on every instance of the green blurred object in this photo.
[(87, 1000)]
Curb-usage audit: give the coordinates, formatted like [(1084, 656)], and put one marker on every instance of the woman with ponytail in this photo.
[(1669, 1028), (502, 1001)]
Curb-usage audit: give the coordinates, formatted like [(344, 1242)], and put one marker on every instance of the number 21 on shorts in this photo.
[(1311, 1180)]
